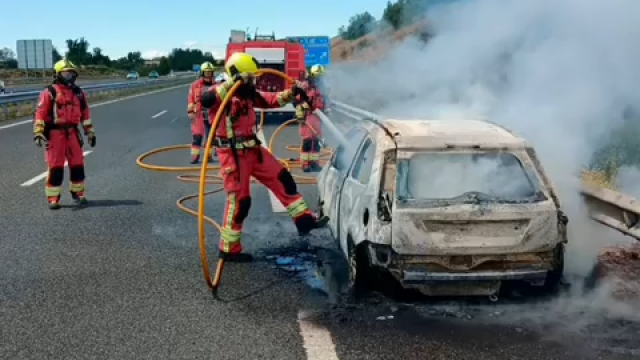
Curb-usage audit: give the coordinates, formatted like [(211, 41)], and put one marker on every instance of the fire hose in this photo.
[(204, 178)]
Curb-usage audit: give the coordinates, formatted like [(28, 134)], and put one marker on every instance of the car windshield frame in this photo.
[(535, 191)]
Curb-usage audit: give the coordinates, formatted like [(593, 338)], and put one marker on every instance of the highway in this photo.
[(121, 279)]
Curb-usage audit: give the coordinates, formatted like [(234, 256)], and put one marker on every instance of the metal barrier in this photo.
[(12, 98), (611, 208)]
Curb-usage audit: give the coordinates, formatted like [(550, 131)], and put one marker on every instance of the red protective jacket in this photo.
[(242, 114), (70, 109), (193, 102), (312, 127)]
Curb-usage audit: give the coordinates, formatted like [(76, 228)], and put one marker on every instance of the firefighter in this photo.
[(310, 125), (62, 108), (199, 116), (242, 157)]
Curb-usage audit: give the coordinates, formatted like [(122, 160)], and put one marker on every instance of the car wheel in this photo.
[(555, 276), (361, 275)]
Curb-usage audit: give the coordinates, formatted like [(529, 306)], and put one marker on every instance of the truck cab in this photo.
[(271, 53), (275, 54)]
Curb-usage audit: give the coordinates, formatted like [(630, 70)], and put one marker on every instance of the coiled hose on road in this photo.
[(205, 178)]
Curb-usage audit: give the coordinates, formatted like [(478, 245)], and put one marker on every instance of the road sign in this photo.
[(317, 49), (196, 68), (35, 54)]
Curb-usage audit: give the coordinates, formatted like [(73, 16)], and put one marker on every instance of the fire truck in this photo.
[(281, 55)]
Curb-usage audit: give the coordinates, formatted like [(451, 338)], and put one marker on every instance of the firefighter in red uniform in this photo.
[(241, 155), (62, 108), (199, 116), (310, 123)]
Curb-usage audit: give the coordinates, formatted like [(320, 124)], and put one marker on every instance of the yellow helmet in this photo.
[(316, 70), (64, 65), (241, 63), (207, 66)]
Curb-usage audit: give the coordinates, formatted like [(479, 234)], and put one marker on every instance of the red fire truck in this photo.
[(280, 55), (271, 53)]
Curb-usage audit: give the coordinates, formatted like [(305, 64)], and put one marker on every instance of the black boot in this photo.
[(195, 159), (308, 222), (79, 200), (239, 257)]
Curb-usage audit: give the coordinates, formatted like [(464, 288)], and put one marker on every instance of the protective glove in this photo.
[(298, 90), (91, 137), (246, 78), (39, 139)]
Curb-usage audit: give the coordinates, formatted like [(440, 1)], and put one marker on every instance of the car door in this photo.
[(336, 174), (355, 199)]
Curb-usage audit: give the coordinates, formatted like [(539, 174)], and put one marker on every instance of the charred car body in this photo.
[(446, 207)]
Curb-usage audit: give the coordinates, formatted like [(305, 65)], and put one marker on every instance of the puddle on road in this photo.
[(322, 269)]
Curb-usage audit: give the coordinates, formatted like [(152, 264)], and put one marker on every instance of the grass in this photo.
[(25, 108)]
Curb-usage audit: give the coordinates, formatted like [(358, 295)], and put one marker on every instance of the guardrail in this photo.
[(12, 98), (611, 208), (22, 104)]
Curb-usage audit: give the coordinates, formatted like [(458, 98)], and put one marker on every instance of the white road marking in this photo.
[(276, 205), (159, 114), (172, 120), (316, 340), (29, 121), (43, 176)]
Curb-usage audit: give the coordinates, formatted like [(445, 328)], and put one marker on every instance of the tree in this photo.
[(8, 59), (78, 51), (359, 26), (98, 58), (394, 14)]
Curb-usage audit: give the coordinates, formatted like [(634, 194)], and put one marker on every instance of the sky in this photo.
[(154, 28)]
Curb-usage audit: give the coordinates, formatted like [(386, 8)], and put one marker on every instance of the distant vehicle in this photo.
[(133, 75), (154, 75), (451, 208)]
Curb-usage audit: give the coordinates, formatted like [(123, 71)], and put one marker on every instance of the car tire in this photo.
[(555, 276), (361, 274)]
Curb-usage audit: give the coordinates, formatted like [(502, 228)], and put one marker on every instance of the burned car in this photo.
[(446, 207)]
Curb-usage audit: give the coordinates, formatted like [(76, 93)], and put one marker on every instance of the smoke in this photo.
[(558, 73)]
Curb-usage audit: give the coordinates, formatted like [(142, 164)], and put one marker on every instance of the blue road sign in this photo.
[(317, 49), (196, 68)]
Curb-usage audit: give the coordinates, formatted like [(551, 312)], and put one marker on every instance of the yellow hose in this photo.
[(205, 178)]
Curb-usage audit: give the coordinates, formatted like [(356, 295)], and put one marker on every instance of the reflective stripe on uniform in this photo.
[(87, 123), (297, 208), (195, 150), (51, 191), (229, 237), (313, 156), (305, 156), (38, 126), (77, 187)]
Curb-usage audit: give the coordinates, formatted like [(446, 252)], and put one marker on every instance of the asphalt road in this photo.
[(121, 278)]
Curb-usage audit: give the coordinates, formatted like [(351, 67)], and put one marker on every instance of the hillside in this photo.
[(372, 46)]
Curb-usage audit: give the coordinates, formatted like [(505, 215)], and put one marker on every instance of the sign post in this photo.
[(35, 55), (317, 49)]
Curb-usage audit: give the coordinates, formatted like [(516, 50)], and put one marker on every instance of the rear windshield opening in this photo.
[(269, 82), (487, 176)]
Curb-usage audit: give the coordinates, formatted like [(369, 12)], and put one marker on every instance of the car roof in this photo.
[(436, 134)]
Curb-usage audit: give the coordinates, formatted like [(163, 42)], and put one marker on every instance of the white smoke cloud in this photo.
[(559, 73)]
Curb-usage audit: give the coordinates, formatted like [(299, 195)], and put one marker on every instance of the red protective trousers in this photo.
[(64, 146), (259, 163), (310, 133)]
